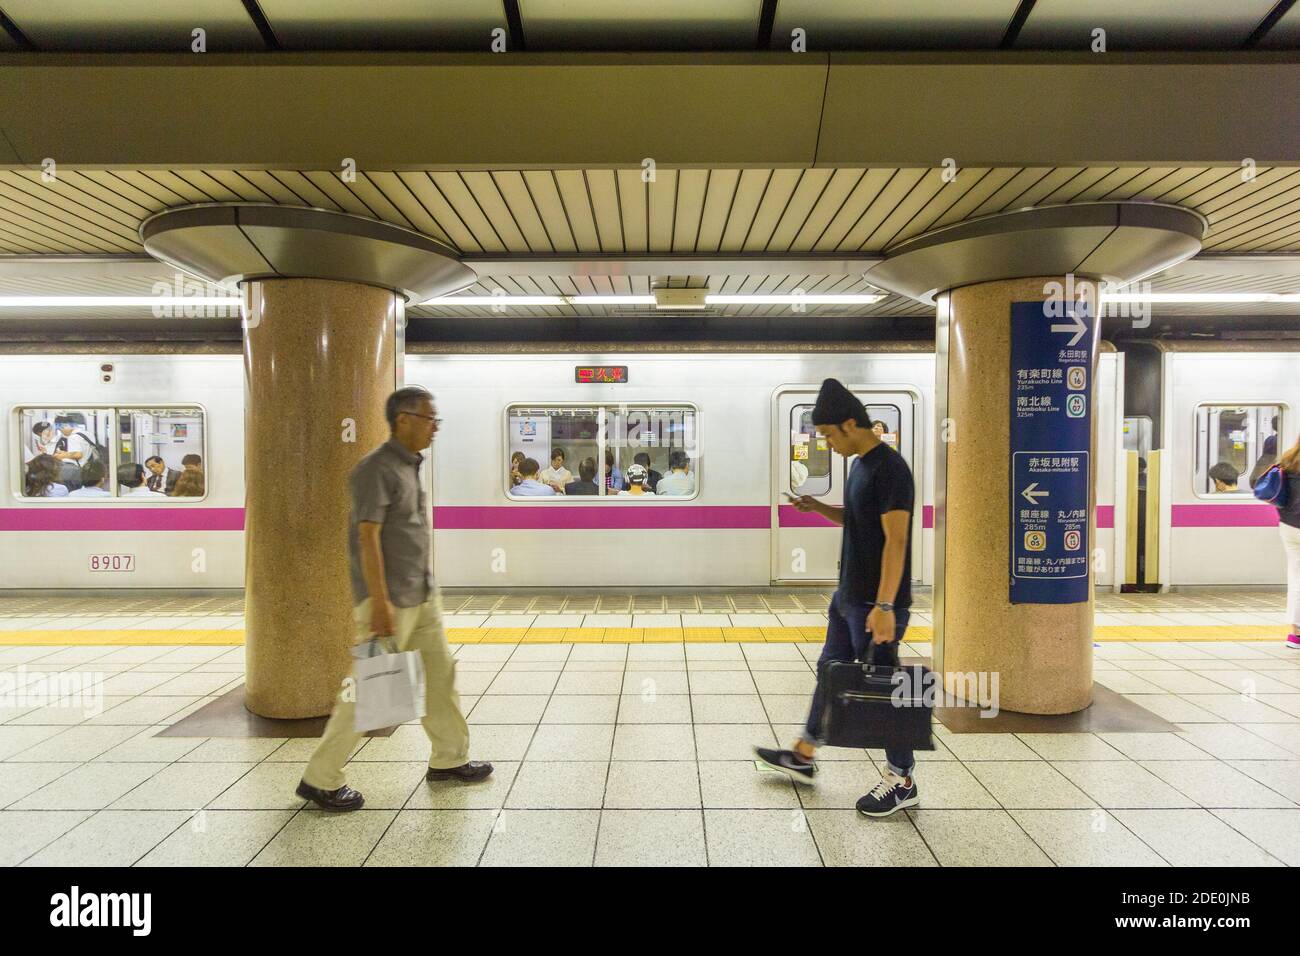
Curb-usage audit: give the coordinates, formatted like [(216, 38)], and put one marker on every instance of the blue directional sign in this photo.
[(1052, 345)]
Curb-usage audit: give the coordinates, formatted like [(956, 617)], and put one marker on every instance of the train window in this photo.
[(1234, 445), (887, 423), (601, 451), (62, 448), (160, 452), (90, 453), (810, 455)]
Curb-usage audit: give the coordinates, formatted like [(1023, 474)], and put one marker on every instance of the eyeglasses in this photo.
[(437, 422)]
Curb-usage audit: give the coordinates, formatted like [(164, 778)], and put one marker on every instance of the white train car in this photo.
[(1235, 404), (128, 407), (740, 418)]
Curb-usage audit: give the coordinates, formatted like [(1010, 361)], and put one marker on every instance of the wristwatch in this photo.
[(885, 606)]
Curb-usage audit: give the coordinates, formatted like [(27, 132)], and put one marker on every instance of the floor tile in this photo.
[(218, 838), (231, 749), (58, 744), (581, 709), (1022, 784), (1216, 785), (654, 742), (846, 838), (723, 681), (523, 682), (660, 709), (17, 780), (562, 742), (977, 837), (786, 682), (182, 786), (23, 833), (1122, 784), (319, 838), (1157, 746), (742, 785), (1085, 838), (92, 786), (110, 838), (386, 785), (987, 746), (543, 838), (571, 785), (508, 709), (1194, 838), (751, 838), (1276, 831), (651, 838), (434, 838), (1230, 742), (1280, 776), (660, 784), (1070, 747), (590, 682), (730, 709)]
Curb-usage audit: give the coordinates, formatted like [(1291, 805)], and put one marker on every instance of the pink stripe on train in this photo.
[(600, 517), (111, 518), (1244, 515)]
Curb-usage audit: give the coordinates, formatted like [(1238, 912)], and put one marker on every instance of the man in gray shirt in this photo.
[(394, 594)]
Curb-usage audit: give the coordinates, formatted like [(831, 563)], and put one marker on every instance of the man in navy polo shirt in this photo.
[(874, 596)]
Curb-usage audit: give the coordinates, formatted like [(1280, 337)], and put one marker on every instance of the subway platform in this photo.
[(621, 728)]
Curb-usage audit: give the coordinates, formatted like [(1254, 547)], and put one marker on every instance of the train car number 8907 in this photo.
[(112, 562)]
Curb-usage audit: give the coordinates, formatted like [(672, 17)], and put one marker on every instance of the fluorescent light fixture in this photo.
[(457, 300), (110, 301), (1192, 297), (798, 299), (611, 299)]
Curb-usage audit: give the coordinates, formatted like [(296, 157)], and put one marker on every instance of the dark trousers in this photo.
[(847, 640)]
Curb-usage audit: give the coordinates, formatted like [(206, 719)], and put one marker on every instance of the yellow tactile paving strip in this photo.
[(624, 635)]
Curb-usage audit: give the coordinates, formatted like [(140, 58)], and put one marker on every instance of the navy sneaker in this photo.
[(789, 763), (892, 794)]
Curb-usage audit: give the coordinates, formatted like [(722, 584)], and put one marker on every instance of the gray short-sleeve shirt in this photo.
[(386, 491)]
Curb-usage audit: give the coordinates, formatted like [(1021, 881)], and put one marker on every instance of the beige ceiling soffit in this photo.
[(81, 266), (668, 265), (1249, 265), (397, 112)]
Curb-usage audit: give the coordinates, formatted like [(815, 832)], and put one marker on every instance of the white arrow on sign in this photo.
[(1033, 493), (1077, 326)]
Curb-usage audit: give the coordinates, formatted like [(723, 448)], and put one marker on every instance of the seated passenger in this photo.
[(637, 476), (188, 485), (557, 476), (515, 459), (41, 478), (528, 485), (613, 477), (192, 463), (130, 481), (586, 484), (92, 482), (652, 481), (1225, 477), (678, 481)]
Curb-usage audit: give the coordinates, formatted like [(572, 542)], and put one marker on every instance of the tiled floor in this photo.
[(640, 754)]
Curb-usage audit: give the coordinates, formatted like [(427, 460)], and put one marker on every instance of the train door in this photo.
[(806, 547)]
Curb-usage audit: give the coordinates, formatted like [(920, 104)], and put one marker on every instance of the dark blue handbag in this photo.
[(1272, 487)]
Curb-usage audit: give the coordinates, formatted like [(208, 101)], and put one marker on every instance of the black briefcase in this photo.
[(877, 706)]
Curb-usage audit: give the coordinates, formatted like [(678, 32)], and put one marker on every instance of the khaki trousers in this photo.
[(419, 629)]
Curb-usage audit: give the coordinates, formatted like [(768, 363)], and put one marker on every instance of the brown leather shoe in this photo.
[(466, 773), (337, 801)]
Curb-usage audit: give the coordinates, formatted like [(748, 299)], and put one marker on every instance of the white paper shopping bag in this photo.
[(389, 685)]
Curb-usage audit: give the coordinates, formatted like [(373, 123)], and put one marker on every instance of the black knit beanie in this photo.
[(835, 404)]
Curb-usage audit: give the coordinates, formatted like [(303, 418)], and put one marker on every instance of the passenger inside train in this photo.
[(1224, 476), (528, 485), (679, 480), (586, 483), (638, 477), (557, 476)]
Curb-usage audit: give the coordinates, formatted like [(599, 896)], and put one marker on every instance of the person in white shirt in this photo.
[(678, 481), (130, 481), (92, 482), (70, 446), (557, 476), (637, 476), (530, 487)]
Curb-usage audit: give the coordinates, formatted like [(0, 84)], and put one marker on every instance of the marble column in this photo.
[(320, 358), (1042, 653)]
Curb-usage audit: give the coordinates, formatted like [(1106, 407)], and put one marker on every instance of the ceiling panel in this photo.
[(640, 24), (387, 25), (893, 24), (143, 25), (1142, 24)]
